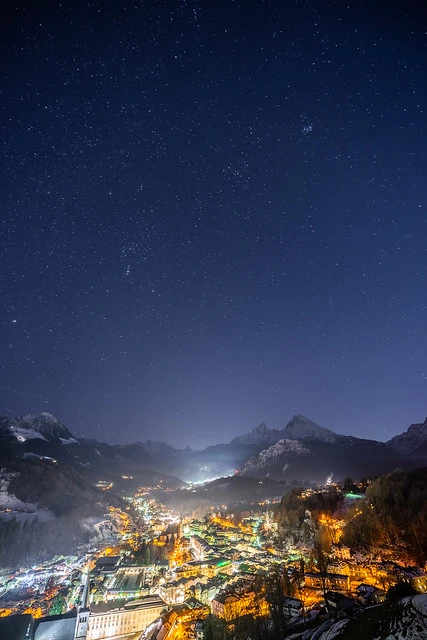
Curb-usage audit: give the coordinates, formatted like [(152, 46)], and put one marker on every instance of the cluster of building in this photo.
[(214, 566)]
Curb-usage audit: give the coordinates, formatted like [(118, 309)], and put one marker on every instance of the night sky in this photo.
[(213, 214)]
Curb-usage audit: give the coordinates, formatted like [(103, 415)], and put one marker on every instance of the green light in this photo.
[(223, 563)]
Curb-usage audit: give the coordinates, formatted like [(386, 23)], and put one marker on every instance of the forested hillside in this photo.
[(62, 498), (393, 516)]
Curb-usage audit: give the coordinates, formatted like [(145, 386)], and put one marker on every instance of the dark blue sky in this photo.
[(213, 214)]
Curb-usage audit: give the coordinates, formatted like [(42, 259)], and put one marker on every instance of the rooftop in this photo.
[(148, 602)]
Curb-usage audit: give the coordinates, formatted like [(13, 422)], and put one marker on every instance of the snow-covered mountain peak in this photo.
[(302, 428), (45, 426)]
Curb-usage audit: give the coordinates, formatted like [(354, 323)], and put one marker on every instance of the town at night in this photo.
[(213, 320), (238, 556)]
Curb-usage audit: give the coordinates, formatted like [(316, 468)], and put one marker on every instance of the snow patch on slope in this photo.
[(69, 441), (407, 622), (13, 507), (25, 434), (273, 455), (45, 427)]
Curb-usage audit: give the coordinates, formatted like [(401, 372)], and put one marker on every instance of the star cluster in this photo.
[(213, 215)]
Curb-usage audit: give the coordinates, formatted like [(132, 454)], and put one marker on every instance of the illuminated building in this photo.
[(172, 592), (414, 576), (332, 581), (106, 565), (107, 619), (369, 595), (206, 592), (292, 607), (126, 582), (232, 605), (199, 546), (341, 552)]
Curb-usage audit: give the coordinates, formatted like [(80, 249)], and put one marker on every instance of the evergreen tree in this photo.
[(57, 605)]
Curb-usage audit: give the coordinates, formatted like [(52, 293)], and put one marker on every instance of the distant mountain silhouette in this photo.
[(301, 451), (412, 440)]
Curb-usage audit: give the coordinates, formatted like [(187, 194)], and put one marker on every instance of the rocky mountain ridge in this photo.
[(45, 426), (273, 454), (301, 428), (298, 428), (410, 440), (301, 451), (260, 435)]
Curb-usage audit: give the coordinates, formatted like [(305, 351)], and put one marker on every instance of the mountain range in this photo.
[(301, 451)]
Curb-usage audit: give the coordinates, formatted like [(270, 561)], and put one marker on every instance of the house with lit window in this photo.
[(330, 581), (107, 619)]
